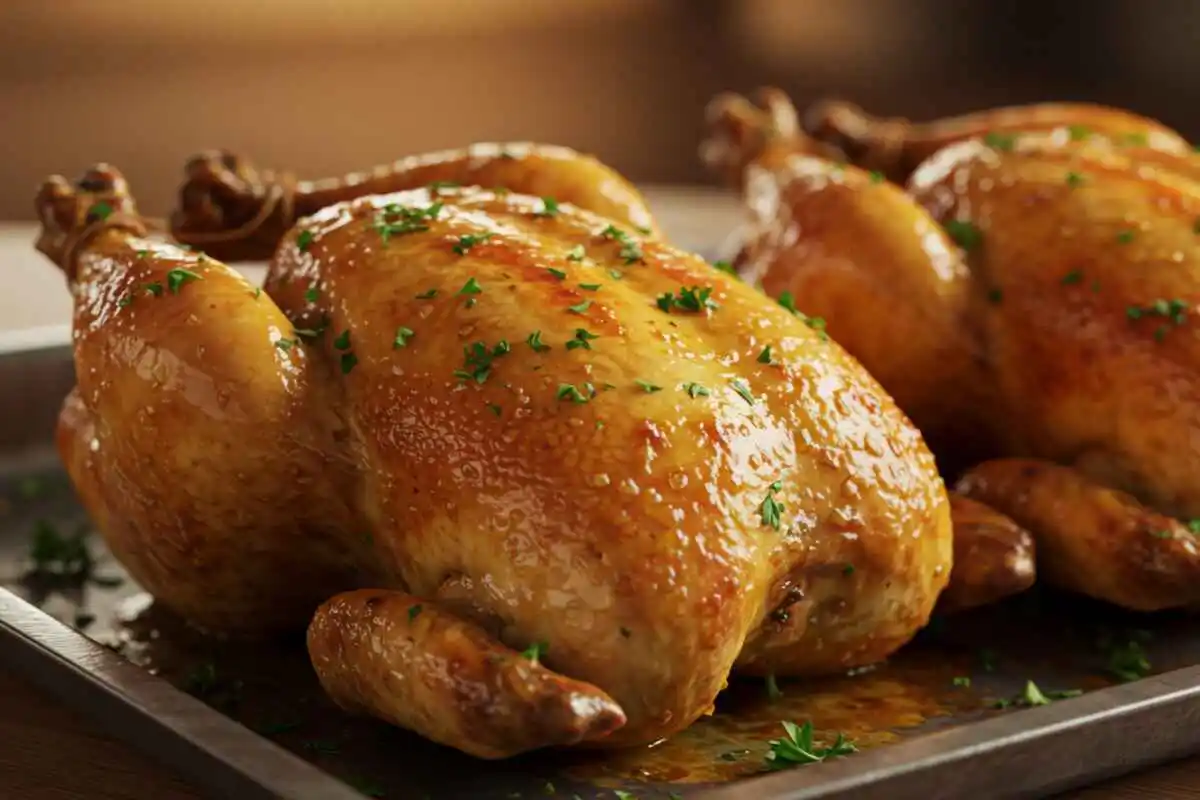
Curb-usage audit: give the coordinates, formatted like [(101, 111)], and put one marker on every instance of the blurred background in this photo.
[(325, 87)]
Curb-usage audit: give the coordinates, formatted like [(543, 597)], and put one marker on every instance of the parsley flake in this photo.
[(549, 208), (470, 287), (630, 250), (726, 267), (1125, 237), (582, 339), (580, 308), (590, 287), (100, 211), (576, 253), (797, 747), (773, 691), (693, 299), (312, 295), (468, 241), (402, 336), (342, 342), (396, 220), (1000, 141), (1074, 179), (743, 391), (414, 611), (1079, 132), (535, 651), (648, 387), (176, 278), (304, 240), (568, 391), (964, 234), (696, 390), (770, 508), (765, 356), (535, 341), (1074, 276), (429, 294), (349, 360)]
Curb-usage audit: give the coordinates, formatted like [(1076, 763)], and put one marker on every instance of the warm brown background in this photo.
[(338, 84)]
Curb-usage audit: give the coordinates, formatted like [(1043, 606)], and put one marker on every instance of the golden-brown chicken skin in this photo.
[(1026, 294), (566, 476)]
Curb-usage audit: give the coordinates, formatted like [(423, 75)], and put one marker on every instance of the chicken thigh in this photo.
[(531, 477), (1029, 297)]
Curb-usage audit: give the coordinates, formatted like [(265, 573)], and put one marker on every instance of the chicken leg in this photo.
[(184, 408), (234, 211), (896, 146)]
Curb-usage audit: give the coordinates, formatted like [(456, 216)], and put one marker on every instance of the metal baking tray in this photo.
[(248, 720)]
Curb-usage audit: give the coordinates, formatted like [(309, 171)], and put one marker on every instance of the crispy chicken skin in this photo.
[(1025, 295), (507, 430)]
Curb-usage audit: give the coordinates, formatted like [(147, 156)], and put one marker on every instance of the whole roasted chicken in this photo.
[(531, 476), (1028, 298)]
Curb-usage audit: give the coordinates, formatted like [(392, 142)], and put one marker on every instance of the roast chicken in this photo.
[(1023, 281), (531, 476)]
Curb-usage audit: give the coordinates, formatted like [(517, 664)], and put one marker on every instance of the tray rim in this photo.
[(218, 753)]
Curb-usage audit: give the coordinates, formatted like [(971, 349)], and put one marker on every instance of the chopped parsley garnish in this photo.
[(312, 295), (848, 569), (576, 253), (743, 391), (125, 301), (1128, 661), (1135, 139), (549, 208), (1074, 276), (342, 342), (58, 555), (875, 176), (396, 220), (437, 186), (995, 296), (964, 234), (99, 211), (155, 288), (773, 691), (1031, 696), (558, 273), (535, 341), (568, 391), (765, 356), (304, 240), (141, 253), (1125, 237), (414, 612), (797, 747), (495, 409), (349, 360), (787, 301), (630, 250), (962, 681), (616, 274), (535, 651), (726, 267), (403, 334), (286, 344), (580, 308), (477, 360), (693, 299), (581, 340), (590, 287), (1074, 179), (1079, 132), (1174, 310), (427, 295), (1000, 141), (470, 287), (771, 509), (176, 278), (468, 241), (648, 387), (696, 390)]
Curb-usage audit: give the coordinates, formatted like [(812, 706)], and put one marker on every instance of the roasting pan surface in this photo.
[(922, 733)]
